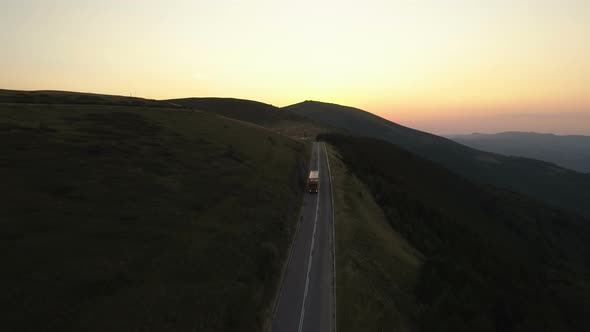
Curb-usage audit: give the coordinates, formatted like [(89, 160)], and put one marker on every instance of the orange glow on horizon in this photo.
[(440, 65)]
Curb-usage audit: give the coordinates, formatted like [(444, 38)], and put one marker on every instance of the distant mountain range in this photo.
[(570, 151), (544, 181)]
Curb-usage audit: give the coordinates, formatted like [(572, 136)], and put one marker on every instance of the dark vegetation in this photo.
[(138, 219), (376, 268), (494, 260), (78, 98), (545, 181), (570, 151)]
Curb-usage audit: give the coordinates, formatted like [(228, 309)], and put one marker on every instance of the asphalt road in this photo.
[(306, 299)]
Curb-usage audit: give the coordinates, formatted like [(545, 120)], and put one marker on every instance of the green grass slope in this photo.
[(376, 268), (262, 114), (545, 181), (493, 260), (141, 219), (78, 98)]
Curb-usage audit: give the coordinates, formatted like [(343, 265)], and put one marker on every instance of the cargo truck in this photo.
[(313, 182)]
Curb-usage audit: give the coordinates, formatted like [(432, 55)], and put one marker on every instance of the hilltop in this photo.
[(241, 109), (255, 112)]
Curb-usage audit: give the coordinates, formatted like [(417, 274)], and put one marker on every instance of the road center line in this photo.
[(315, 223)]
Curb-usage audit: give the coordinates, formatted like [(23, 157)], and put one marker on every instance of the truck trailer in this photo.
[(313, 182)]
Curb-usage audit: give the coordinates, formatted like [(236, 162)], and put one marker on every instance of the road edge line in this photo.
[(333, 237), (315, 223), (309, 262), (286, 265)]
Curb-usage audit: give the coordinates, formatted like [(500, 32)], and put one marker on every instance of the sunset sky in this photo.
[(445, 66)]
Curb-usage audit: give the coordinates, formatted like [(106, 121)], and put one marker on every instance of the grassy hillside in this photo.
[(128, 219), (269, 116), (569, 151), (376, 268), (494, 260), (78, 98), (545, 181)]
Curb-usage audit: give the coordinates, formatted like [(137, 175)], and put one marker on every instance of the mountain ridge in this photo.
[(241, 109), (542, 180), (77, 98)]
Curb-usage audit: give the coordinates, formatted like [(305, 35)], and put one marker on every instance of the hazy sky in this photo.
[(445, 66)]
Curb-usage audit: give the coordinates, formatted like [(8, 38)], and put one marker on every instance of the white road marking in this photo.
[(315, 223), (291, 249), (333, 238)]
